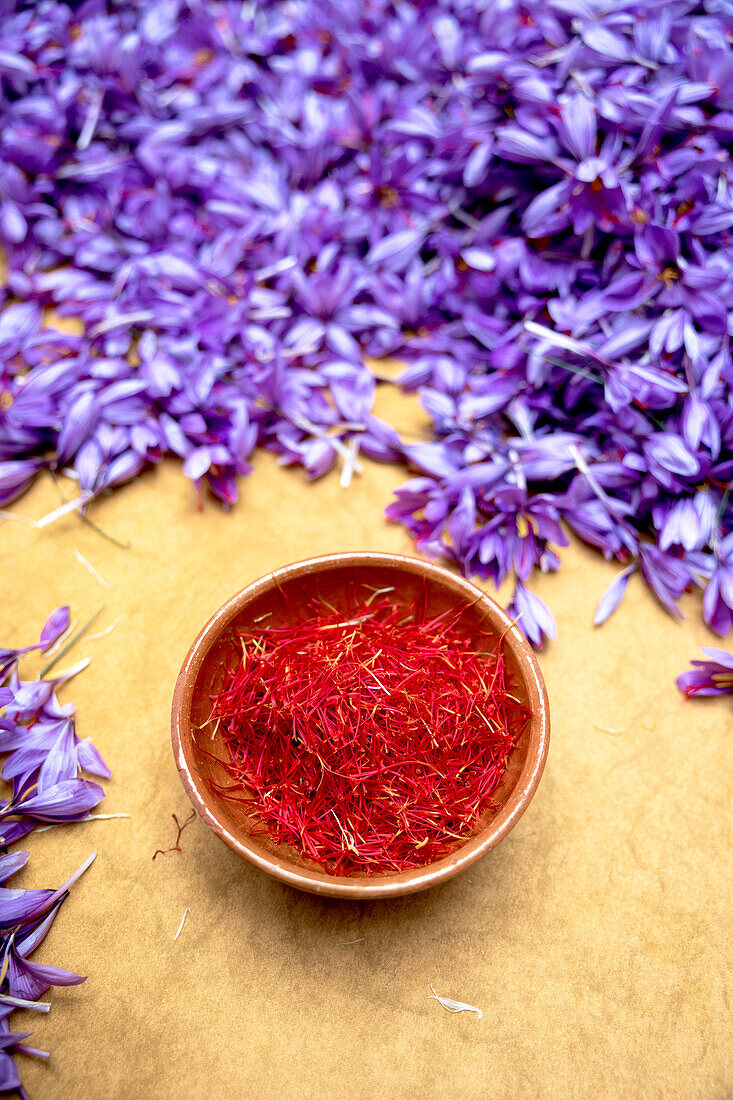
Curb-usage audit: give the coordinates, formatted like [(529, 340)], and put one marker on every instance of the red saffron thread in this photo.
[(368, 737), (177, 846)]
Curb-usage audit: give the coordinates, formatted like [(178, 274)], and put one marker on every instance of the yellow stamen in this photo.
[(669, 276)]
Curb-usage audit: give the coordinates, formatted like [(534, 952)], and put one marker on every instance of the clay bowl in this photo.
[(202, 673)]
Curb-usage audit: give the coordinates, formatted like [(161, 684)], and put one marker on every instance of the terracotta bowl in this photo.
[(202, 674)]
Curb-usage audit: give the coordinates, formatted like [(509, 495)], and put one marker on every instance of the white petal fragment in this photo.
[(557, 339), (338, 445), (63, 510), (186, 911), (103, 633), (350, 462), (89, 817), (90, 569), (454, 1006), (74, 670), (18, 1002)]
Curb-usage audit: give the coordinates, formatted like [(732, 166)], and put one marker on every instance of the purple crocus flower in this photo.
[(591, 194), (713, 676)]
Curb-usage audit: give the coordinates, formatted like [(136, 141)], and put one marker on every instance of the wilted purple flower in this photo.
[(713, 676)]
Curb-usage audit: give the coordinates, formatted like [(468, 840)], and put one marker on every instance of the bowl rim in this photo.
[(419, 878)]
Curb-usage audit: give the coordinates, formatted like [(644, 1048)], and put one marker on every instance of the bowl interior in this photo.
[(333, 580)]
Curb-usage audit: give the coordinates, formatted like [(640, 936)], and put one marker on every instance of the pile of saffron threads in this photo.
[(371, 739)]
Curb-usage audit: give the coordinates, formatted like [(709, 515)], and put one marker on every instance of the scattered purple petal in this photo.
[(42, 758)]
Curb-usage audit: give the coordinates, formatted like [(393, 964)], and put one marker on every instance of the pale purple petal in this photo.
[(613, 595), (54, 627), (9, 1075), (67, 800)]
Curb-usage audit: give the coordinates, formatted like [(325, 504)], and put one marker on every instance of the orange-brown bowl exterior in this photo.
[(191, 704)]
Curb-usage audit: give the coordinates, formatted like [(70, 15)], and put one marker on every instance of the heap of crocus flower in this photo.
[(531, 203), (43, 758)]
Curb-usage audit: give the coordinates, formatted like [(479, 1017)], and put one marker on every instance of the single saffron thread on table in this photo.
[(180, 826)]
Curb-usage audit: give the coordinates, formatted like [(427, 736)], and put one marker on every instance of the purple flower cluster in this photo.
[(43, 758), (530, 202)]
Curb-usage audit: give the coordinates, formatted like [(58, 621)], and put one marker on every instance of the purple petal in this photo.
[(18, 322), (68, 800), (519, 145), (533, 616), (481, 259), (13, 1038), (17, 905), (55, 625), (477, 164), (720, 656), (605, 43), (11, 863), (79, 420), (90, 759), (197, 463), (13, 225), (30, 980), (13, 831), (60, 762), (578, 126), (30, 697), (395, 251), (613, 595), (9, 1075)]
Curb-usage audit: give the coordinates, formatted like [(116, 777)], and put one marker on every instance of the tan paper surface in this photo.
[(595, 938)]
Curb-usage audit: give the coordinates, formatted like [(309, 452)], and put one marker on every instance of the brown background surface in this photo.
[(596, 938)]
